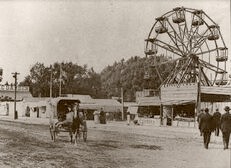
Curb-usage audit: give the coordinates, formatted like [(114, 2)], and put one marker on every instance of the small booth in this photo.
[(180, 103)]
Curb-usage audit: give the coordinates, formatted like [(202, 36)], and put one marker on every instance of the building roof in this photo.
[(130, 104), (106, 102), (36, 99), (82, 98), (216, 90), (19, 94), (149, 101)]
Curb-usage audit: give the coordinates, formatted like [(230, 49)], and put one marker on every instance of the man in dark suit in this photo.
[(226, 127), (199, 118), (205, 127), (216, 121)]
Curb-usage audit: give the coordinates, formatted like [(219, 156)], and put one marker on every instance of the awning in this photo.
[(216, 90), (178, 102), (106, 108)]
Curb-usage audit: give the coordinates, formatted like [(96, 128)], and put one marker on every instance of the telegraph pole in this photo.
[(15, 74), (122, 102), (60, 81), (51, 82)]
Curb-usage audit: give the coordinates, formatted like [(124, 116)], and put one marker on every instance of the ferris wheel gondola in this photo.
[(195, 41)]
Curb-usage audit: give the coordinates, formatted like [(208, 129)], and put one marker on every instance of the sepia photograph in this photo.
[(115, 84)]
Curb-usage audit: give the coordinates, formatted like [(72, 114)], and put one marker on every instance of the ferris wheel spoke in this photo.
[(173, 73), (212, 67), (189, 33), (182, 38), (169, 47), (180, 46), (185, 71), (207, 51), (186, 36), (175, 43), (208, 82), (160, 21), (215, 78), (192, 38), (167, 62), (198, 44), (184, 33), (179, 70), (176, 36)]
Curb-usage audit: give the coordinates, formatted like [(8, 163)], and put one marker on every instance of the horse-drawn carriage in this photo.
[(63, 108)]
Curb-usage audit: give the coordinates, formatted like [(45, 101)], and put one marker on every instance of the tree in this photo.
[(75, 79), (130, 75)]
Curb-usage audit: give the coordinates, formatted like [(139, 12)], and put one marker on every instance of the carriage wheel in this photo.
[(84, 136), (52, 132)]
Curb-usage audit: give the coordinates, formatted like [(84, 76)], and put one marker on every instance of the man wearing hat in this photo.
[(205, 127), (216, 121), (226, 127)]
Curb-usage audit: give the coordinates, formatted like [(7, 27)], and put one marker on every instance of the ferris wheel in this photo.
[(193, 41)]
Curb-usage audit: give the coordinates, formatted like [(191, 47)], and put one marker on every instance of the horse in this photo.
[(76, 126)]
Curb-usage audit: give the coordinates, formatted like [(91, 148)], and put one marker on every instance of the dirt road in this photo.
[(109, 146)]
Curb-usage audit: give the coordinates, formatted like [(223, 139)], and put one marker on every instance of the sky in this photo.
[(96, 33)]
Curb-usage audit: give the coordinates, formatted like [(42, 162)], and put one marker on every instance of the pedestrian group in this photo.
[(209, 123)]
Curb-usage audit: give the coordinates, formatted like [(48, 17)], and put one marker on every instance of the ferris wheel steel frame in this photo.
[(196, 40)]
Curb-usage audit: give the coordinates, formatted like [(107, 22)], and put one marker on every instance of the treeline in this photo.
[(75, 79), (135, 74)]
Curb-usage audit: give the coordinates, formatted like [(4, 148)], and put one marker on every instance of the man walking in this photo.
[(205, 127), (199, 118), (226, 127), (216, 121)]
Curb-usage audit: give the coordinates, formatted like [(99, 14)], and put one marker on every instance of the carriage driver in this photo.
[(76, 109), (69, 117)]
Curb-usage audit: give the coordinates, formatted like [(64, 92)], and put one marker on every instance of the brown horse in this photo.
[(77, 124)]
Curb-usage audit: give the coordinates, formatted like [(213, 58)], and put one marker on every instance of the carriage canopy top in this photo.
[(68, 100)]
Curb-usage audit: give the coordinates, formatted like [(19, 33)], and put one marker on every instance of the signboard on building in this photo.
[(175, 94), (12, 88)]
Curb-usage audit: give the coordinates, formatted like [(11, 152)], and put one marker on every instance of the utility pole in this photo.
[(122, 101), (60, 81), (15, 74), (51, 82), (1, 74)]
